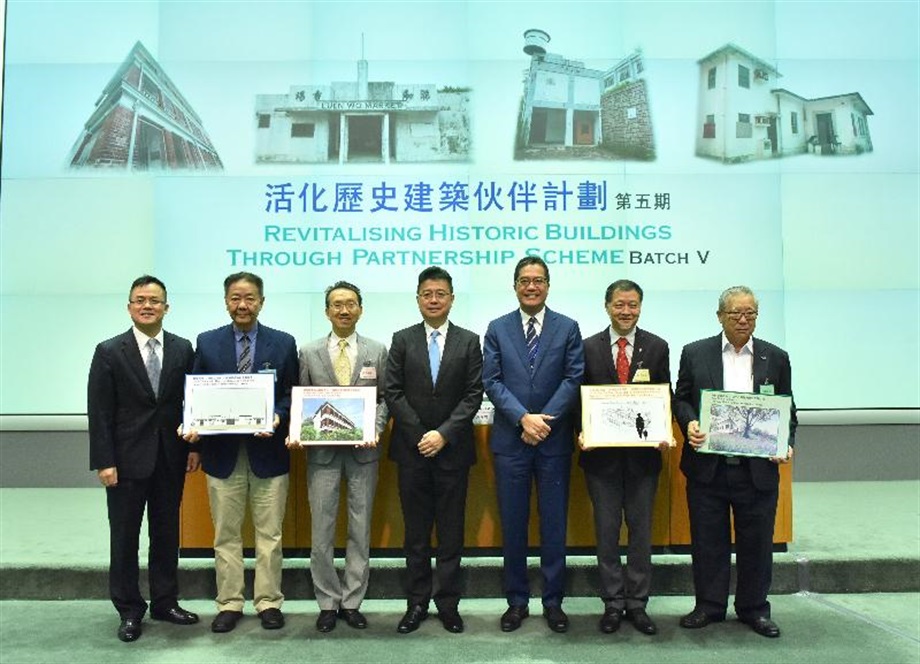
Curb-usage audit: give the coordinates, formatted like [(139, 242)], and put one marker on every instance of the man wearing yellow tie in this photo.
[(342, 358)]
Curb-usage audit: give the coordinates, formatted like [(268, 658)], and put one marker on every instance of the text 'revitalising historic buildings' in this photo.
[(743, 117), (143, 123)]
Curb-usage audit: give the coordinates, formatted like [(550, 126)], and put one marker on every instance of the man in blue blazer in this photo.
[(242, 468), (134, 405), (718, 485), (533, 365)]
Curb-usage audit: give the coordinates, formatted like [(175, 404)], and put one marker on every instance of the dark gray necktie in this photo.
[(244, 364)]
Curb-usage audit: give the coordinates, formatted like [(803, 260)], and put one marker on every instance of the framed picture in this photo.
[(229, 403), (745, 424), (635, 415), (333, 415)]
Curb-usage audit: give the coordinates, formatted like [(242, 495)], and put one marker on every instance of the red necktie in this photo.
[(622, 362)]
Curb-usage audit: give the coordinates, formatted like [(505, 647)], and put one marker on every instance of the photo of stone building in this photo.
[(743, 116), (143, 123), (570, 111), (363, 121)]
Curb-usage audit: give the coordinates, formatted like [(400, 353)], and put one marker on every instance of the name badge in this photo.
[(642, 376), (766, 389), (368, 373)]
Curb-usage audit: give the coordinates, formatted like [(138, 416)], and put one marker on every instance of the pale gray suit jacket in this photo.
[(316, 369)]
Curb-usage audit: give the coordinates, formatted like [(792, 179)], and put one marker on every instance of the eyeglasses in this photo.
[(434, 294), (344, 306), (623, 306), (249, 300), (524, 282), (152, 301), (738, 315)]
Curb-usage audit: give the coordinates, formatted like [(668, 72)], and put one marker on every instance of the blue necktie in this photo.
[(434, 356), (533, 340)]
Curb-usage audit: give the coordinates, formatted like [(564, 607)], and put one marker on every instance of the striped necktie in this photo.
[(244, 364), (533, 340)]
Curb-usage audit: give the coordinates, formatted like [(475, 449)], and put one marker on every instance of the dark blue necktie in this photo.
[(533, 340)]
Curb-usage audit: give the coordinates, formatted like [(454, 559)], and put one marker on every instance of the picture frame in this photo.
[(632, 415), (745, 424), (229, 403), (333, 415)]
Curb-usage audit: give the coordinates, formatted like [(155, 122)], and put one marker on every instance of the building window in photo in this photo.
[(302, 130), (744, 77), (265, 121)]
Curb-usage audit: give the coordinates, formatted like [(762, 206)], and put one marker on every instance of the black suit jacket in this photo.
[(417, 406), (649, 352), (701, 369), (215, 352), (127, 421)]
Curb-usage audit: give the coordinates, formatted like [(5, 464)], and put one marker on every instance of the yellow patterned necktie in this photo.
[(342, 365)]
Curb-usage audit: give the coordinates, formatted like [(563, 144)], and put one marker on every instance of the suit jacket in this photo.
[(418, 406), (649, 352), (701, 369), (127, 420), (552, 388), (316, 369), (216, 353)]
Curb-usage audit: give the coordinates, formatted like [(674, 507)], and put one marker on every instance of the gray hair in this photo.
[(732, 292)]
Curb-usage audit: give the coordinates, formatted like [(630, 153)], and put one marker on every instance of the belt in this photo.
[(733, 460)]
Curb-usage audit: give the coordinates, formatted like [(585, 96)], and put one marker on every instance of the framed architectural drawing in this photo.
[(626, 415), (229, 403), (333, 415), (745, 424)]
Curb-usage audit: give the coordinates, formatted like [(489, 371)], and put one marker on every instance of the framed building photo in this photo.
[(333, 415), (745, 424), (229, 403), (626, 415)]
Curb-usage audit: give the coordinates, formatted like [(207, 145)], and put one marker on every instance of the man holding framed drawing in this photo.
[(719, 485), (623, 478)]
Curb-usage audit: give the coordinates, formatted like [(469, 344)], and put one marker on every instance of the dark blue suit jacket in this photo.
[(216, 353), (701, 369), (552, 388)]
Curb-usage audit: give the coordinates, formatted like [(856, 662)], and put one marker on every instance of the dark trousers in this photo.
[(160, 494), (711, 506), (616, 492), (514, 476), (433, 500)]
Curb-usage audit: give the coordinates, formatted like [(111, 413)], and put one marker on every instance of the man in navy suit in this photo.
[(624, 480), (433, 390), (533, 365), (134, 406), (718, 485), (251, 469)]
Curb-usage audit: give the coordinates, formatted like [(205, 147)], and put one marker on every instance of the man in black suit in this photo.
[(134, 406), (719, 485), (433, 390), (245, 469), (624, 480)]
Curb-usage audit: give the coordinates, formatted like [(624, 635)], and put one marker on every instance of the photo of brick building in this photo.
[(143, 123)]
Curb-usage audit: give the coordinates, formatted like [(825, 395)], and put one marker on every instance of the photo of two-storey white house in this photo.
[(743, 116)]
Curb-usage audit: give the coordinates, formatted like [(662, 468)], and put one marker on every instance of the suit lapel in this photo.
[(263, 350), (515, 331), (545, 342), (170, 359), (135, 362), (322, 353), (418, 343), (714, 363), (638, 359), (761, 366), (610, 367)]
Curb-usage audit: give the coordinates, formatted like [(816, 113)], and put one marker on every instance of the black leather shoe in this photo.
[(764, 626), (697, 619), (610, 621), (412, 619), (176, 615), (640, 620), (271, 618), (225, 621), (451, 620), (325, 621), (129, 630), (513, 617), (353, 618), (556, 618)]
